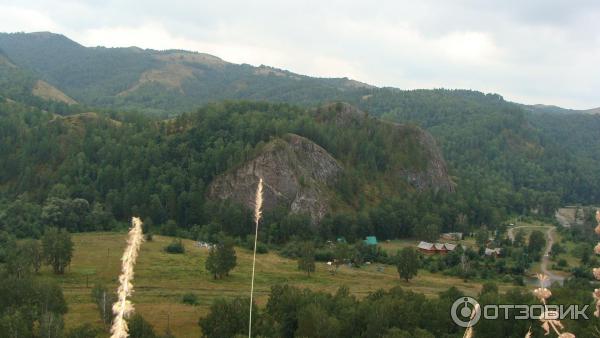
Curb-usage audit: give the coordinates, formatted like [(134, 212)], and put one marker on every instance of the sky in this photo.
[(536, 51)]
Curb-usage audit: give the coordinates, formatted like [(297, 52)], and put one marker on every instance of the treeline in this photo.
[(397, 313)]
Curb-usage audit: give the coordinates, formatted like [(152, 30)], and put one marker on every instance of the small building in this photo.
[(426, 247), (370, 240), (452, 236), (493, 252), (440, 248), (450, 246)]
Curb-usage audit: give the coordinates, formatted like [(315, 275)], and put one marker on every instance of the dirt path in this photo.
[(511, 233), (552, 277)]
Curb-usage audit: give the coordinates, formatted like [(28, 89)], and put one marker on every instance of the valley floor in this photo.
[(162, 279)]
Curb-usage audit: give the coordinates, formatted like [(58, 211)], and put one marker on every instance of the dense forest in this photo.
[(72, 168), (83, 171), (486, 137)]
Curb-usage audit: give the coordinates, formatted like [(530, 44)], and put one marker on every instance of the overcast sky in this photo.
[(540, 51)]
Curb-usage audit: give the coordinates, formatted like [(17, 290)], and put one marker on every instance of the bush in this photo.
[(261, 248), (169, 229), (140, 328), (518, 280), (176, 247), (149, 237), (190, 299), (291, 249), (324, 255), (84, 331)]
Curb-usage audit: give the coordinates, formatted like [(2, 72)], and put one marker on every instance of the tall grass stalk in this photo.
[(550, 319), (596, 271), (123, 307), (257, 215)]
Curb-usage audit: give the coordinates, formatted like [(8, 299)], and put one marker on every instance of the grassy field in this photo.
[(392, 246), (161, 279)]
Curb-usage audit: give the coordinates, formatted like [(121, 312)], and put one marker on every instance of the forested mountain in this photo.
[(82, 170), (171, 81), (491, 140), (502, 157)]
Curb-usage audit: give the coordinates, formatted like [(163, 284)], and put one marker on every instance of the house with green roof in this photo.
[(370, 240)]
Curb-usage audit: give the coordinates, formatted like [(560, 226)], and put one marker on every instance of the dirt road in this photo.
[(552, 277)]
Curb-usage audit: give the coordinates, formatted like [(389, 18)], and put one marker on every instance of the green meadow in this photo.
[(161, 280)]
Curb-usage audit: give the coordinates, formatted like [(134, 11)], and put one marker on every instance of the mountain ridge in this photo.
[(168, 63), (159, 81)]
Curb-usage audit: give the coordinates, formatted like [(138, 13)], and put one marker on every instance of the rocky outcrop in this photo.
[(297, 173), (435, 176), (426, 170)]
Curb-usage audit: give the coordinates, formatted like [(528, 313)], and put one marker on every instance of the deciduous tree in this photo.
[(306, 261), (407, 263), (57, 249)]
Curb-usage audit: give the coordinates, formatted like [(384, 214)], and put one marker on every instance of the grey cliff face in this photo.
[(296, 172), (435, 176)]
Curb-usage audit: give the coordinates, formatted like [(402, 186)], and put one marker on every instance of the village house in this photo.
[(452, 236), (370, 240), (493, 252), (435, 248)]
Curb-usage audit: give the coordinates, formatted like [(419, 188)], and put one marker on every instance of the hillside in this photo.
[(542, 108), (492, 142), (514, 159), (328, 166)]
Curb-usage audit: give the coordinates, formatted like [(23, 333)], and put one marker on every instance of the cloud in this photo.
[(14, 18), (540, 51)]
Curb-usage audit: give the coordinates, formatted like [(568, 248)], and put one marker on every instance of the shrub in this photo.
[(149, 237), (291, 249), (518, 280), (84, 331), (190, 299), (176, 247), (169, 228), (261, 248), (324, 255)]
